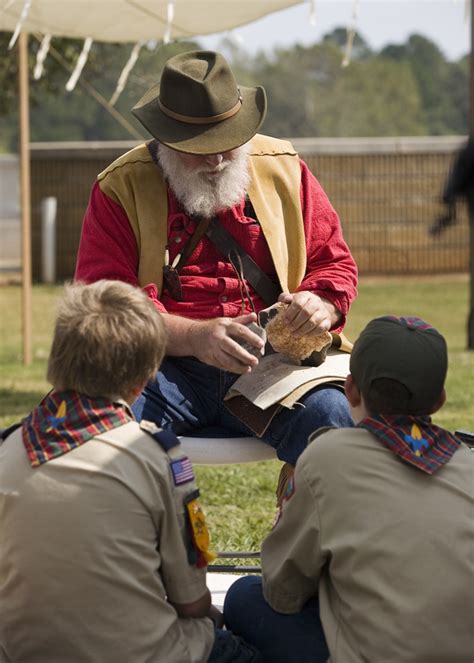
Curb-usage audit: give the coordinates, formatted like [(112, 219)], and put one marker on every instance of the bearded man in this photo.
[(148, 223)]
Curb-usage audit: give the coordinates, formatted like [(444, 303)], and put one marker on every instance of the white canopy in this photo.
[(133, 20)]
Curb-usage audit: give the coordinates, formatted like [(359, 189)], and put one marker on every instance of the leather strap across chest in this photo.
[(260, 282), (226, 244), (135, 183)]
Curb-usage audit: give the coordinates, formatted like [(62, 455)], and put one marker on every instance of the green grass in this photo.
[(239, 500), (21, 387)]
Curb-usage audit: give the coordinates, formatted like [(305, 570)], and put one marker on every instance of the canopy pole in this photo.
[(25, 195), (470, 201)]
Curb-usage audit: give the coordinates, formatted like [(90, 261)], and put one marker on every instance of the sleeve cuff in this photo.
[(182, 592)]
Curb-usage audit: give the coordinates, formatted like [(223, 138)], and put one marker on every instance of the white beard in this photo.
[(198, 192)]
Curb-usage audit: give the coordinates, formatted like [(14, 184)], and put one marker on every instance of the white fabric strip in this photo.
[(21, 20), (351, 34), (236, 37), (348, 52), (126, 72), (41, 57), (312, 13), (81, 61), (169, 23)]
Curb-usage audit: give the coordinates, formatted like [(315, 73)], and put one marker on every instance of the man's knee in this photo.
[(289, 431), (327, 406)]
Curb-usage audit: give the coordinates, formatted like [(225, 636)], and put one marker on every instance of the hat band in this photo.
[(190, 119)]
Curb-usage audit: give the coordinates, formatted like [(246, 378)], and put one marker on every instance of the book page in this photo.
[(277, 375)]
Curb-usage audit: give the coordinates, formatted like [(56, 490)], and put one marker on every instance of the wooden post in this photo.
[(470, 321), (25, 194)]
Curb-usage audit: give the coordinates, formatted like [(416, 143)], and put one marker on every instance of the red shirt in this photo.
[(108, 250)]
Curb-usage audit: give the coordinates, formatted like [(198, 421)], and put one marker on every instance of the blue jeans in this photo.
[(297, 638), (187, 396)]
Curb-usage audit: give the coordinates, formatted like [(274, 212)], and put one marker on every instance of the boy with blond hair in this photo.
[(103, 550)]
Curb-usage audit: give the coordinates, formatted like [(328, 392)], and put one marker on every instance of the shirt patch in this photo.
[(287, 495), (290, 489), (201, 555), (182, 471)]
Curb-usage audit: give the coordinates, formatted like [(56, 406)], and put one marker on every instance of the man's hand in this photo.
[(308, 314), (216, 342)]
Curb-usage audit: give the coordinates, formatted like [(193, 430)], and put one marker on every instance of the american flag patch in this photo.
[(182, 470)]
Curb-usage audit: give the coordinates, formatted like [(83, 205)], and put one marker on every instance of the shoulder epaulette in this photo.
[(5, 432), (318, 432), (165, 438)]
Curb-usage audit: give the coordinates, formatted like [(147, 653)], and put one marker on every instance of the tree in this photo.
[(291, 79), (371, 97), (405, 89), (360, 48), (56, 114), (442, 85)]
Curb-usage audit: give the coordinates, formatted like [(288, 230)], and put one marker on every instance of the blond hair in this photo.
[(108, 340)]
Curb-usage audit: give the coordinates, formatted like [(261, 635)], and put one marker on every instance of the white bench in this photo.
[(226, 450)]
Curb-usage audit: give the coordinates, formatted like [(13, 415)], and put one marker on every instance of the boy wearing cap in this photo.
[(378, 525), (103, 546), (153, 218)]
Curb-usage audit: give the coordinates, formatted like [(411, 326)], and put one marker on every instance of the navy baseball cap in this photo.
[(405, 349)]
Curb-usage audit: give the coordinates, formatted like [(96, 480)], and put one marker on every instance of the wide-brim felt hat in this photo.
[(198, 107)]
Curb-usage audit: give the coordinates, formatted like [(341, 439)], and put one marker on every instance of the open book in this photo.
[(279, 379)]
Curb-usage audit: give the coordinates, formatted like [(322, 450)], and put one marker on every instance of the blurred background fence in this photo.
[(387, 192)]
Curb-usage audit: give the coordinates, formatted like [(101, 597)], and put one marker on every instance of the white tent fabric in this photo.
[(133, 20)]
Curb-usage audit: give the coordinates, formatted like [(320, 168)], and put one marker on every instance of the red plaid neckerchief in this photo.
[(415, 439), (66, 419)]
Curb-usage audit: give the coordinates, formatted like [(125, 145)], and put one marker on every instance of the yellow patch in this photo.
[(199, 529)]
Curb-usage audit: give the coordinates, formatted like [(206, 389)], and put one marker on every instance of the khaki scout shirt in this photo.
[(91, 547), (389, 548)]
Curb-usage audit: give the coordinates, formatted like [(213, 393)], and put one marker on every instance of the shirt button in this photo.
[(223, 298)]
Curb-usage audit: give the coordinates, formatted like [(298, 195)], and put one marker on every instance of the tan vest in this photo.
[(137, 185)]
